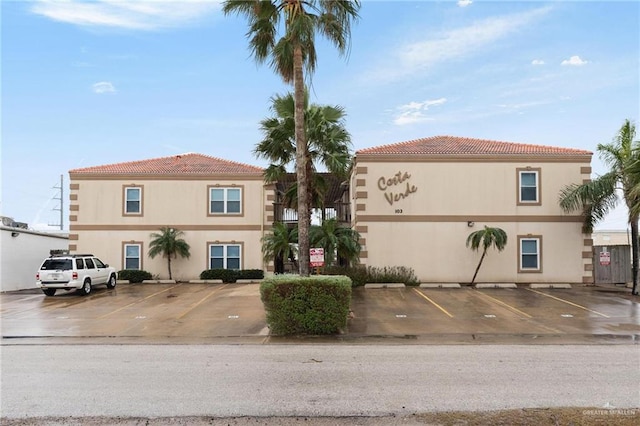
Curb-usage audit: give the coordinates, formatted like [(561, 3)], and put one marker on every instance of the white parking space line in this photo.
[(138, 301), (569, 303)]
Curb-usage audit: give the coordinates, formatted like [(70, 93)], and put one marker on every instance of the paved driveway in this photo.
[(223, 313)]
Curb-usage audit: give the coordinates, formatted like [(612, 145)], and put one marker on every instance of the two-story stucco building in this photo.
[(414, 204), (221, 206)]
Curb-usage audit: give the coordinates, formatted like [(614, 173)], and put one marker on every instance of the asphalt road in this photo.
[(310, 380)]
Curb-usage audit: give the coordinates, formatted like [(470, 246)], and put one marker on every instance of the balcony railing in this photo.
[(340, 211)]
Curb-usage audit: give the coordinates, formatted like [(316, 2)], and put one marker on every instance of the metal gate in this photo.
[(612, 264)]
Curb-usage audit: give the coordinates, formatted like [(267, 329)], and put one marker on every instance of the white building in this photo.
[(21, 254)]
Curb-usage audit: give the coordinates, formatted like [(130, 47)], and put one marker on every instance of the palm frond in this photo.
[(594, 199), (487, 238)]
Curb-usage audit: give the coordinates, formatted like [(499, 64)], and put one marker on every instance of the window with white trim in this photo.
[(529, 186), (132, 256), (225, 256), (225, 201), (133, 200), (529, 250)]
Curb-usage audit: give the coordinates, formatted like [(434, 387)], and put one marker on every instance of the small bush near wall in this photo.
[(361, 275), (250, 274), (357, 273), (226, 275), (306, 305), (134, 275), (231, 276)]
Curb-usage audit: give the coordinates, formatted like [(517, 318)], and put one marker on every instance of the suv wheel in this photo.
[(49, 291), (86, 287), (111, 282)]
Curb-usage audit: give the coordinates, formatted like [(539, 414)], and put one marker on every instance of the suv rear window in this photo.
[(57, 264)]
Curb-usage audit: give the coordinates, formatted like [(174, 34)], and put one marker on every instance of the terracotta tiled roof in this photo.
[(190, 163), (452, 145)]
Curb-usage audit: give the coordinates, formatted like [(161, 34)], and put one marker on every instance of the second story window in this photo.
[(529, 186), (225, 201), (132, 200)]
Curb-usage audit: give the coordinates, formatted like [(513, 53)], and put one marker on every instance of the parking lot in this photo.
[(224, 313)]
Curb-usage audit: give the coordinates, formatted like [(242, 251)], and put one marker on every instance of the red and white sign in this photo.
[(605, 258), (316, 257)]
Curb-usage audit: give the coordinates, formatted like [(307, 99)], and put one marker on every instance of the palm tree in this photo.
[(169, 244), (279, 245), (599, 196), (328, 144), (487, 238), (289, 55), (335, 239)]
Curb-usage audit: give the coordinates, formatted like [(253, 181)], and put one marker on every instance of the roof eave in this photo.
[(165, 176), (470, 158)]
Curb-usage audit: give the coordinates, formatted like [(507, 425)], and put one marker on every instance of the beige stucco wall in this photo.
[(98, 225), (611, 238), (427, 225), (165, 202), (108, 246), (437, 251), (463, 188)]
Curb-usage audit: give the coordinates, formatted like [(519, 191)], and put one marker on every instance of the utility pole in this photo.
[(61, 199)]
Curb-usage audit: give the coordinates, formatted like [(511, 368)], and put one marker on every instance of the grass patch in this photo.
[(535, 417)]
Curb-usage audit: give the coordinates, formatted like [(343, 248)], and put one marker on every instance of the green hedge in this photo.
[(231, 275), (134, 275), (306, 305), (361, 275), (250, 274)]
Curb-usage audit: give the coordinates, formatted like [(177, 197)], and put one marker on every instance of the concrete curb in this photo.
[(496, 285), (205, 281), (440, 285), (550, 285), (159, 282), (384, 285)]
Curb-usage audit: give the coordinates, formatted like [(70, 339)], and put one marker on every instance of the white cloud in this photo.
[(575, 61), (464, 3), (103, 87), (131, 14), (415, 112), (420, 56), (537, 62)]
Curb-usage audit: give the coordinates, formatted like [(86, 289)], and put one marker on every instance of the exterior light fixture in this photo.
[(15, 234), (470, 223)]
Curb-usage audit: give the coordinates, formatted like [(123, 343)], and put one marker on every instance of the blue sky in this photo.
[(87, 83)]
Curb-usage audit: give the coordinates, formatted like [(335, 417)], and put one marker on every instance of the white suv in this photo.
[(74, 271)]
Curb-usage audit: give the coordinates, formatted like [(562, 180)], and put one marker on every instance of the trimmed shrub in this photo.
[(357, 273), (226, 275), (232, 275), (250, 274), (361, 275), (306, 305), (134, 275), (392, 274)]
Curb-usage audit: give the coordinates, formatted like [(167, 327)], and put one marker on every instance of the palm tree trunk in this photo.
[(634, 253), (478, 267), (304, 220), (169, 263)]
